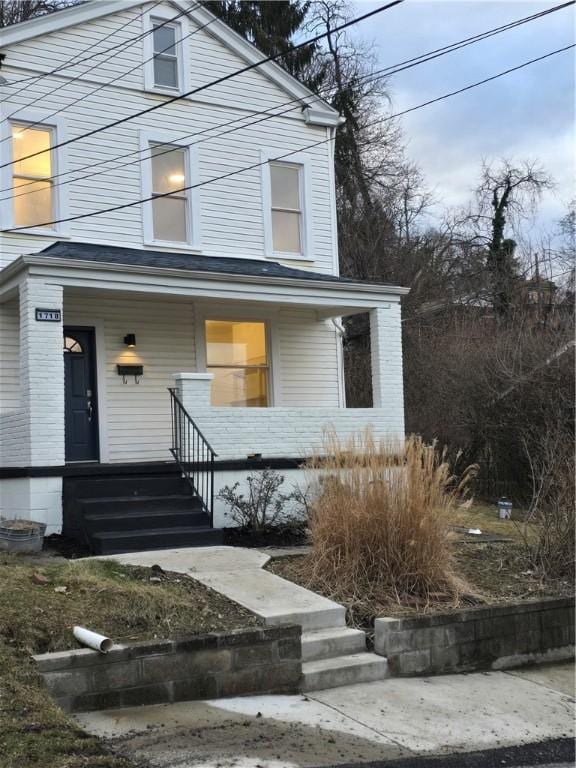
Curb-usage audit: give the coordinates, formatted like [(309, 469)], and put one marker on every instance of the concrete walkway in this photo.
[(388, 720), (238, 574), (333, 654)]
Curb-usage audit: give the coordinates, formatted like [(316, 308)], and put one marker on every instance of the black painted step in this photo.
[(132, 485), (155, 538), (120, 505), (143, 519)]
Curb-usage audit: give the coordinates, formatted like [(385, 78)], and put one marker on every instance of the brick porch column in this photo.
[(42, 373), (386, 359), (194, 390)]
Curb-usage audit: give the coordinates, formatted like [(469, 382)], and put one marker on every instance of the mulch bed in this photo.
[(286, 536)]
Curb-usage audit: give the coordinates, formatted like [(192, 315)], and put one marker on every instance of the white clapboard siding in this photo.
[(9, 356), (308, 357), (137, 416), (231, 215)]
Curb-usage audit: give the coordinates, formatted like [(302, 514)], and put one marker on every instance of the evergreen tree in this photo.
[(271, 27)]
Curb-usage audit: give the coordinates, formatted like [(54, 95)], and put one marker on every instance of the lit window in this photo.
[(164, 40), (236, 353), (32, 177), (169, 213), (285, 183)]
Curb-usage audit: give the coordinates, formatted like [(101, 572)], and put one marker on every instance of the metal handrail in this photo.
[(193, 454)]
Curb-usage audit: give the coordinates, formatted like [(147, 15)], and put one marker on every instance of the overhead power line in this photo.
[(370, 77), (140, 64), (125, 45), (218, 81), (296, 151), (69, 63)]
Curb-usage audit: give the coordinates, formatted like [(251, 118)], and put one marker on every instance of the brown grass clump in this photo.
[(379, 522), (123, 602)]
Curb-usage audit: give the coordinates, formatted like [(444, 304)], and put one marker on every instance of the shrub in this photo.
[(549, 530), (379, 522), (263, 507)]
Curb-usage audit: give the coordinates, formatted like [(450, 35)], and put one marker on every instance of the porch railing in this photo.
[(193, 454)]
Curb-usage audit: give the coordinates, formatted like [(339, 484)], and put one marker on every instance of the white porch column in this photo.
[(42, 373), (386, 358), (194, 390)]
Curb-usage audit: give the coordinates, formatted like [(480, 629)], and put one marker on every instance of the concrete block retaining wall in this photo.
[(263, 660), (498, 637)]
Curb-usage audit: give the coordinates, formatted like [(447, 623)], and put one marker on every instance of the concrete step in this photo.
[(343, 670), (328, 643)]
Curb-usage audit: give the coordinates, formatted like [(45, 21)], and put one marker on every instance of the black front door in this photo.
[(81, 419)]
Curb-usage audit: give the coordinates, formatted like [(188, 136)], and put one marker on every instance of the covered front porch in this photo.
[(93, 340)]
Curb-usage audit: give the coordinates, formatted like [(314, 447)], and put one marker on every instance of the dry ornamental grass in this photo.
[(379, 522)]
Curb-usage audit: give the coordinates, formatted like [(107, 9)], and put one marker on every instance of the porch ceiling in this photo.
[(87, 265)]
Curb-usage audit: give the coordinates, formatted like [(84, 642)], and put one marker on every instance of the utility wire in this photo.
[(295, 151), (118, 77), (71, 63), (370, 77), (125, 45), (218, 81)]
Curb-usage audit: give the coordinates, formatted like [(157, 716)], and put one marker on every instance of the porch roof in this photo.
[(191, 262), (113, 267)]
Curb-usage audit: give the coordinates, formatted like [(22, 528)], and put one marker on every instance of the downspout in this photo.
[(341, 331)]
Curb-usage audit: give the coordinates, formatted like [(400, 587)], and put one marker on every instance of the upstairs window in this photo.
[(33, 197), (170, 212), (165, 38), (286, 198)]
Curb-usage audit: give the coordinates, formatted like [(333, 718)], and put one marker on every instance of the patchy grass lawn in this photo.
[(494, 572), (39, 605)]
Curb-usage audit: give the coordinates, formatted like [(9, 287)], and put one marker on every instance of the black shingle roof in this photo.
[(111, 254)]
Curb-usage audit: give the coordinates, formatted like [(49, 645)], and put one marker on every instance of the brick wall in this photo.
[(246, 661), (498, 637), (235, 433)]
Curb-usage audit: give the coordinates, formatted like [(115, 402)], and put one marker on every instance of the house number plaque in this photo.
[(48, 315)]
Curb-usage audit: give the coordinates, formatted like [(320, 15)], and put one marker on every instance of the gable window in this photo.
[(166, 52), (33, 198), (164, 41), (169, 212), (237, 355), (285, 185)]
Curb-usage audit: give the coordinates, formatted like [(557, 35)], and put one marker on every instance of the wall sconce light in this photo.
[(130, 339)]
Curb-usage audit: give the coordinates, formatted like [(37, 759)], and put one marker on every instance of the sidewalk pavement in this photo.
[(381, 721)]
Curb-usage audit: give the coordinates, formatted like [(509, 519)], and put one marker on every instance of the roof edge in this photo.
[(53, 261), (320, 112)]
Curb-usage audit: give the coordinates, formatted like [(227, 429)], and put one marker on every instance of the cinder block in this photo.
[(68, 683), (290, 648), (194, 689), (157, 669), (444, 659), (124, 674), (252, 656), (414, 662)]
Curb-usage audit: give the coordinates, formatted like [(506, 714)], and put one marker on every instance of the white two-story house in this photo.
[(170, 303)]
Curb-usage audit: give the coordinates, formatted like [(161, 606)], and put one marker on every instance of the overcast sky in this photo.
[(527, 114)]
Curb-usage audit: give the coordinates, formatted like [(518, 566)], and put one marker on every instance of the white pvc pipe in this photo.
[(92, 639)]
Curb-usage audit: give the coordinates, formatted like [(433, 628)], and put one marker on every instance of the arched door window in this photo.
[(72, 345)]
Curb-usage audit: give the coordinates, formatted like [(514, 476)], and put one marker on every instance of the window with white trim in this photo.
[(170, 208), (237, 356), (32, 177), (286, 207), (165, 40)]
